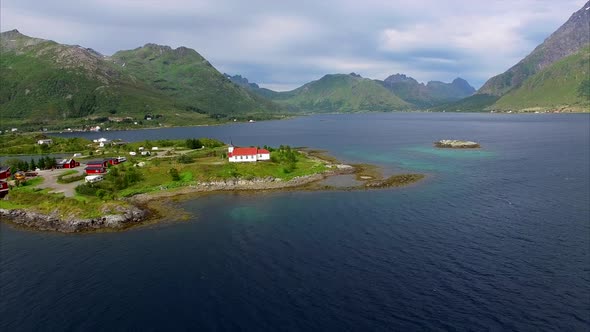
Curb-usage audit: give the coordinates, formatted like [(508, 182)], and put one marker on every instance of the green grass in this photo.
[(26, 143), (65, 207), (209, 169)]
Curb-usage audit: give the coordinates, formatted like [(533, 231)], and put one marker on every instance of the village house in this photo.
[(239, 155), (45, 141), (96, 167), (95, 170), (4, 175), (67, 163), (3, 189)]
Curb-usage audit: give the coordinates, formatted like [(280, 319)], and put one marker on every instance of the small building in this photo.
[(45, 141), (67, 163), (95, 170), (146, 153), (3, 189), (155, 148), (113, 161), (4, 172), (14, 129), (238, 155)]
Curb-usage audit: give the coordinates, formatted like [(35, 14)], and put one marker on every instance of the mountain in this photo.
[(432, 93), (342, 93), (572, 36), (44, 82), (243, 82), (564, 84), (189, 79)]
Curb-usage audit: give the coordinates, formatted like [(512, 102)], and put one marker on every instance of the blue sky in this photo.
[(284, 44)]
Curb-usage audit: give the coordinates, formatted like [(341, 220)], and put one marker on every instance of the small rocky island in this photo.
[(456, 144)]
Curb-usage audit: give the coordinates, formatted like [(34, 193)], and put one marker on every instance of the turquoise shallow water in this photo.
[(493, 239)]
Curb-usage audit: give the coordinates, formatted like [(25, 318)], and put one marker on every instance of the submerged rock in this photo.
[(456, 144)]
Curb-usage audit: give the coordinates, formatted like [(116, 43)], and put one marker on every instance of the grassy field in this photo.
[(27, 196), (211, 165)]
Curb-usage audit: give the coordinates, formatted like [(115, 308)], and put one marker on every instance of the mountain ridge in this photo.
[(45, 82), (569, 38)]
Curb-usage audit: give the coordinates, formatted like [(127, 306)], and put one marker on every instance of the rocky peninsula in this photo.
[(138, 191), (456, 144)]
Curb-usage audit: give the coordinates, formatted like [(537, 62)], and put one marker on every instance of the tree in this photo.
[(33, 165), (41, 163), (174, 174)]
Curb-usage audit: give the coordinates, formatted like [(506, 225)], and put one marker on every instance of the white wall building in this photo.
[(239, 155)]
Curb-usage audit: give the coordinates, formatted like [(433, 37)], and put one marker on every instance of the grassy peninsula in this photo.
[(60, 199)]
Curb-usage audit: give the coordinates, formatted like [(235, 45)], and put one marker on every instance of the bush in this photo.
[(86, 189), (185, 159), (174, 174)]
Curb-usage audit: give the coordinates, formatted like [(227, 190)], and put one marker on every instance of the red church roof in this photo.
[(247, 152), (244, 151)]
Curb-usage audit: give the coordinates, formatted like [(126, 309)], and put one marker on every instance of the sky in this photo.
[(282, 45)]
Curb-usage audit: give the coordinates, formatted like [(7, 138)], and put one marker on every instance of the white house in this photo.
[(45, 141), (239, 155)]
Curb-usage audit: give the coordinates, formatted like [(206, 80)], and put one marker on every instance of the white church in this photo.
[(242, 155)]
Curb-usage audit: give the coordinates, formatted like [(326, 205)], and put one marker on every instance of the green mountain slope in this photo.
[(572, 36), (190, 79), (43, 83), (342, 93), (558, 86), (475, 103), (430, 94)]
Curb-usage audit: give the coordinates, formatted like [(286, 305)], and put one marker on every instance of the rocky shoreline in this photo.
[(130, 216), (137, 212)]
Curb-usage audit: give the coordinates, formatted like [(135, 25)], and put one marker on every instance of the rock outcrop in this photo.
[(49, 222), (456, 144)]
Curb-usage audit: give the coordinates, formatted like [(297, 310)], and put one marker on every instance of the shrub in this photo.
[(185, 159), (174, 174), (86, 189)]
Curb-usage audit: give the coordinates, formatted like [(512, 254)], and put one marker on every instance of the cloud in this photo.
[(285, 44)]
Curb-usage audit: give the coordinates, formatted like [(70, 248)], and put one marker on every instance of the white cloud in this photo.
[(287, 43)]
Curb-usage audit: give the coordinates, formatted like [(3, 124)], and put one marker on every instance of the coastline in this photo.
[(148, 208)]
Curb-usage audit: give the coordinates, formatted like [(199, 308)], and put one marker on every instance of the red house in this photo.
[(67, 163), (95, 170), (3, 188), (113, 161), (4, 172)]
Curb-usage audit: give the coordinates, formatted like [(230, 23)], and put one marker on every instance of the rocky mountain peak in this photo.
[(242, 81), (399, 78), (463, 85)]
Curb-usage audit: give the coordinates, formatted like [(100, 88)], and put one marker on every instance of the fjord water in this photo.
[(497, 238)]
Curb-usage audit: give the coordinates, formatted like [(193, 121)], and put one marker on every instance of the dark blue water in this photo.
[(494, 239)]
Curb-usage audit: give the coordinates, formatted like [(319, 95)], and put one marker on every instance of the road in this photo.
[(68, 189)]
